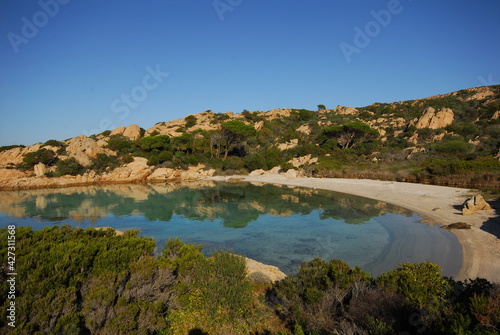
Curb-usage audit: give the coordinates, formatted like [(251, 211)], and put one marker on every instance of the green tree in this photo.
[(119, 144), (233, 133), (160, 142), (350, 134), (190, 121)]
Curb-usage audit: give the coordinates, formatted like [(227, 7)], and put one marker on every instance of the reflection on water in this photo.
[(278, 225)]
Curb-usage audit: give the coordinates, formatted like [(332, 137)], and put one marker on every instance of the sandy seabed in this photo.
[(439, 204)]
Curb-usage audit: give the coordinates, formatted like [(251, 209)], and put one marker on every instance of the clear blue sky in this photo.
[(71, 75)]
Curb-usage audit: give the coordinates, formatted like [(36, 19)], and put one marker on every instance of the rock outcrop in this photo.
[(495, 116), (435, 120), (474, 204), (117, 131), (303, 160), (267, 272), (304, 129), (133, 132), (192, 173), (346, 110), (40, 170), (288, 145), (83, 149), (135, 171), (15, 156)]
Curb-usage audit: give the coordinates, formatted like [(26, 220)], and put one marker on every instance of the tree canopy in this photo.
[(234, 132), (350, 134)]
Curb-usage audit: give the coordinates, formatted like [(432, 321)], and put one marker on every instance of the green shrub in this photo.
[(157, 158), (104, 163), (255, 161), (219, 296), (444, 167), (53, 143), (468, 130), (127, 158), (190, 121), (330, 144), (306, 115), (219, 117), (160, 142), (45, 156), (69, 166), (315, 296), (119, 144), (232, 163), (453, 147), (421, 284), (8, 147)]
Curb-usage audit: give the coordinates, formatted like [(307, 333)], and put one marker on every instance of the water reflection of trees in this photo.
[(234, 204)]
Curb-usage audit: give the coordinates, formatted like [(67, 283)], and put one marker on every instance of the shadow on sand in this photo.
[(492, 225)]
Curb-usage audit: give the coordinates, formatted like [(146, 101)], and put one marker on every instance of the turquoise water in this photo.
[(275, 225)]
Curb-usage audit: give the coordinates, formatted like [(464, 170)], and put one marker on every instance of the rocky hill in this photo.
[(449, 139)]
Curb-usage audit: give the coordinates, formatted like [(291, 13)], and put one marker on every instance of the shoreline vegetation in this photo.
[(95, 281)]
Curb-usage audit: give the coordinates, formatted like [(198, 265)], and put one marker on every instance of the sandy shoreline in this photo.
[(480, 245)]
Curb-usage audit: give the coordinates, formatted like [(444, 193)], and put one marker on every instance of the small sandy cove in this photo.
[(438, 204)]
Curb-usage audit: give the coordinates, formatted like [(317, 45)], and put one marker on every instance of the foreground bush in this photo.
[(75, 281), (332, 298)]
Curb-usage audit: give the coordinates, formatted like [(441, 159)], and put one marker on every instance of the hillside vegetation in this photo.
[(77, 281), (451, 139)]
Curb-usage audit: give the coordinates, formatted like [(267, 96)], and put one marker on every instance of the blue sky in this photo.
[(71, 67)]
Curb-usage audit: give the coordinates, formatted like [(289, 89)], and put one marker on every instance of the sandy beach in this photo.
[(439, 204)]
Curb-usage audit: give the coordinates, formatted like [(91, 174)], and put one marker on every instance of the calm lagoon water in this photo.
[(275, 225)]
